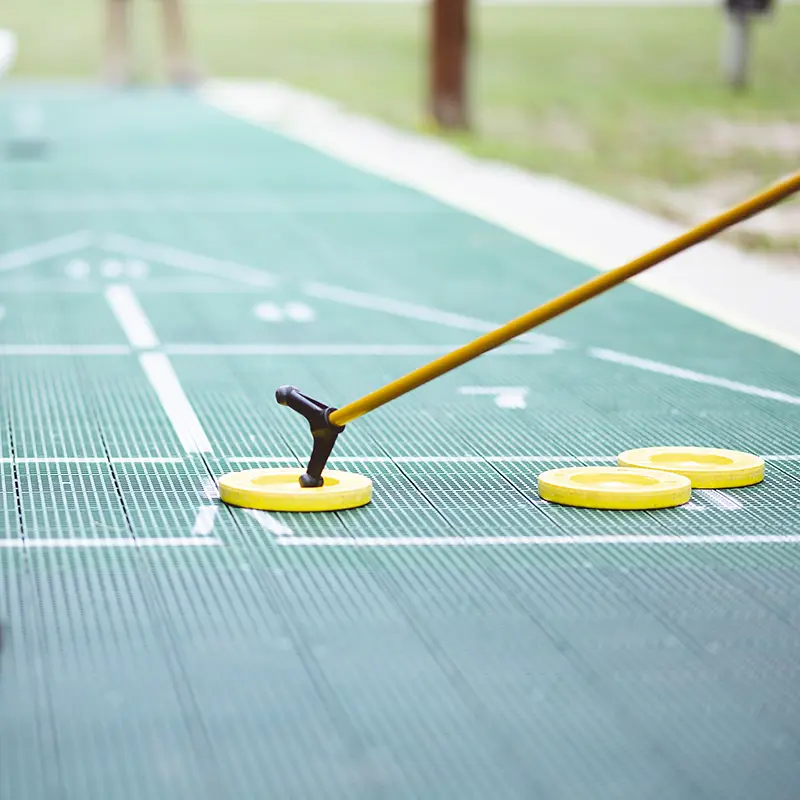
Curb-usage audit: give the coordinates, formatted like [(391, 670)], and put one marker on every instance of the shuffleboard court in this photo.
[(164, 268)]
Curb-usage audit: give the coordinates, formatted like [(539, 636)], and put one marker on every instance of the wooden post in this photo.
[(448, 63)]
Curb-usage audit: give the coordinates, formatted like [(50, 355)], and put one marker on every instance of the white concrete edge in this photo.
[(713, 278), (8, 50)]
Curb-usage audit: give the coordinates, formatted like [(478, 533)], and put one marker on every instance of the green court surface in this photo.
[(164, 269)]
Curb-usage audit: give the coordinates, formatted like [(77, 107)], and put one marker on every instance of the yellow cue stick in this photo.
[(768, 197)]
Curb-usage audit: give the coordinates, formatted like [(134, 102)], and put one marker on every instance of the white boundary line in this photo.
[(176, 404), (204, 522), (690, 375), (506, 459), (539, 541), (81, 543), (721, 500), (323, 291), (158, 368), (130, 315), (335, 350), (422, 459), (293, 202), (34, 253), (26, 350), (181, 259), (141, 335), (93, 460), (715, 279), (269, 523)]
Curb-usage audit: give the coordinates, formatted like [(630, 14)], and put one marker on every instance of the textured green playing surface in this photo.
[(164, 268)]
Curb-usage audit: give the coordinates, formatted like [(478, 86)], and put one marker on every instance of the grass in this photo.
[(628, 101)]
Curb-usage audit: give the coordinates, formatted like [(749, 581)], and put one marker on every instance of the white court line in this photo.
[(146, 460), (721, 500), (269, 523), (275, 203), (423, 459), (95, 460), (548, 344), (180, 259), (210, 486), (176, 404), (204, 522), (539, 541), (80, 543), (690, 375), (26, 256), (131, 316), (64, 350), (693, 506), (321, 349), (210, 489), (180, 285)]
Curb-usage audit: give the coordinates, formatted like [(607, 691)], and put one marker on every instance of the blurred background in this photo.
[(680, 108)]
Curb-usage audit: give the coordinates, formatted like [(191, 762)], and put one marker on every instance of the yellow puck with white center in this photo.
[(614, 488), (705, 467), (280, 490)]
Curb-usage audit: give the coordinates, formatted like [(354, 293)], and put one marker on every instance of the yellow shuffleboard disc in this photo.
[(614, 487), (705, 467), (279, 490)]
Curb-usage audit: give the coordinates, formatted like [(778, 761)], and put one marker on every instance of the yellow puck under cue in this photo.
[(614, 488), (705, 467), (279, 490)]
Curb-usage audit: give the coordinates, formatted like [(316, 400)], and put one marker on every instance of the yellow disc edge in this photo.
[(667, 495), (353, 491), (747, 470)]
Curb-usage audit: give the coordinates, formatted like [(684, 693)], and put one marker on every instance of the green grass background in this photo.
[(617, 99)]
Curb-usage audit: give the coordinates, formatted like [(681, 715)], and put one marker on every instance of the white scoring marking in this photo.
[(204, 522), (300, 312), (504, 396), (268, 312), (77, 269)]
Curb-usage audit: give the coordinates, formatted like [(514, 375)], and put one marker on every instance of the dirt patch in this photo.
[(720, 137), (776, 229)]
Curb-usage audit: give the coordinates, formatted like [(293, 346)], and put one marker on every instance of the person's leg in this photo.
[(180, 66), (118, 67)]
